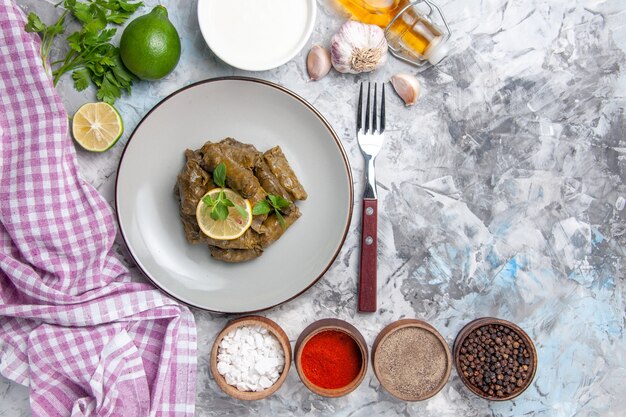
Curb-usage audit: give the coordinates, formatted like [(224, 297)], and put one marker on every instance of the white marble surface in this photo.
[(501, 194)]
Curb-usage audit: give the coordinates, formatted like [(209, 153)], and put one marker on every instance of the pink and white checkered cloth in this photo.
[(86, 340)]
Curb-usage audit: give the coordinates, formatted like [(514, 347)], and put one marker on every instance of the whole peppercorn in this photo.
[(495, 360)]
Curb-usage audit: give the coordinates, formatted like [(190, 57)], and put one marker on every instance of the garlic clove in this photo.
[(318, 62), (408, 88), (358, 47)]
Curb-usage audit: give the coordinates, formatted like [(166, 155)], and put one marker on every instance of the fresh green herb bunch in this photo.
[(91, 57), (219, 206)]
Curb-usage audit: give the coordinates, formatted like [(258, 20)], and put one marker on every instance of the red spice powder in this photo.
[(331, 359)]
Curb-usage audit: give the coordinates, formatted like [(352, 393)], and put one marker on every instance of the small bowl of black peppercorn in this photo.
[(495, 358)]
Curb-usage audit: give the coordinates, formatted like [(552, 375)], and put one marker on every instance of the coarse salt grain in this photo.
[(250, 358)]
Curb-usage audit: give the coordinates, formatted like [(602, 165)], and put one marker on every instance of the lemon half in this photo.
[(230, 228)]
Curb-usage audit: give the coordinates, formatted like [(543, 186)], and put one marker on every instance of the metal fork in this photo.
[(370, 136)]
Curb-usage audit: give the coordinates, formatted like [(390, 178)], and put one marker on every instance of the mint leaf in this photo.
[(261, 207), (281, 219), (273, 203), (242, 211), (222, 211), (81, 79), (208, 200), (219, 175), (214, 214), (278, 201), (221, 204)]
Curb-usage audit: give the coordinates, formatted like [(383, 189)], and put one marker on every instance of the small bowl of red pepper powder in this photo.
[(331, 357)]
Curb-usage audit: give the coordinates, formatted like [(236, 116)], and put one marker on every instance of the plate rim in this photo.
[(307, 35), (302, 101)]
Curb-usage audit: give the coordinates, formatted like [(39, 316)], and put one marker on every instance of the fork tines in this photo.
[(377, 124)]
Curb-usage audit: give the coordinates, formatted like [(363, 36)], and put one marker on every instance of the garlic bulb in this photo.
[(407, 87), (318, 62), (358, 47)]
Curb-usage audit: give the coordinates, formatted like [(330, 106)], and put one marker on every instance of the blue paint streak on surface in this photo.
[(502, 229), (585, 278), (438, 266), (506, 277), (597, 237), (493, 258), (606, 282), (452, 251)]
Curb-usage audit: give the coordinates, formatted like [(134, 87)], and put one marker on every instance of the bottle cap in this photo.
[(437, 51)]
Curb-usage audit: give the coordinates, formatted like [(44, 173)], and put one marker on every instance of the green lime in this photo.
[(150, 46), (97, 126)]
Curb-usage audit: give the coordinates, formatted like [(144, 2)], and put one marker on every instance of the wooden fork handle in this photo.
[(367, 274)]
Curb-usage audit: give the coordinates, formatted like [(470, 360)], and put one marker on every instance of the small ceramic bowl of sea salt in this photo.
[(250, 358)]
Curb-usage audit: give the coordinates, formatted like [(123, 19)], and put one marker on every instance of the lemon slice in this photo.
[(97, 126), (233, 226)]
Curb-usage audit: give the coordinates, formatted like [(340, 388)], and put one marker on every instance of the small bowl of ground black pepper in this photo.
[(411, 360), (331, 357), (495, 358)]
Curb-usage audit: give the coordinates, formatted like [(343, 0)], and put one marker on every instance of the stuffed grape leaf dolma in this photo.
[(192, 231), (270, 183), (272, 228), (279, 166), (192, 183), (249, 240), (253, 175), (234, 255), (238, 177), (243, 153)]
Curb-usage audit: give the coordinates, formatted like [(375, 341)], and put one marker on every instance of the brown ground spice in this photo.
[(412, 362)]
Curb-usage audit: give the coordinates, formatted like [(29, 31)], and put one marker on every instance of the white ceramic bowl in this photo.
[(256, 35)]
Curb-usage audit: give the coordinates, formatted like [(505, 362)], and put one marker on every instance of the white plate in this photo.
[(256, 35), (252, 111)]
